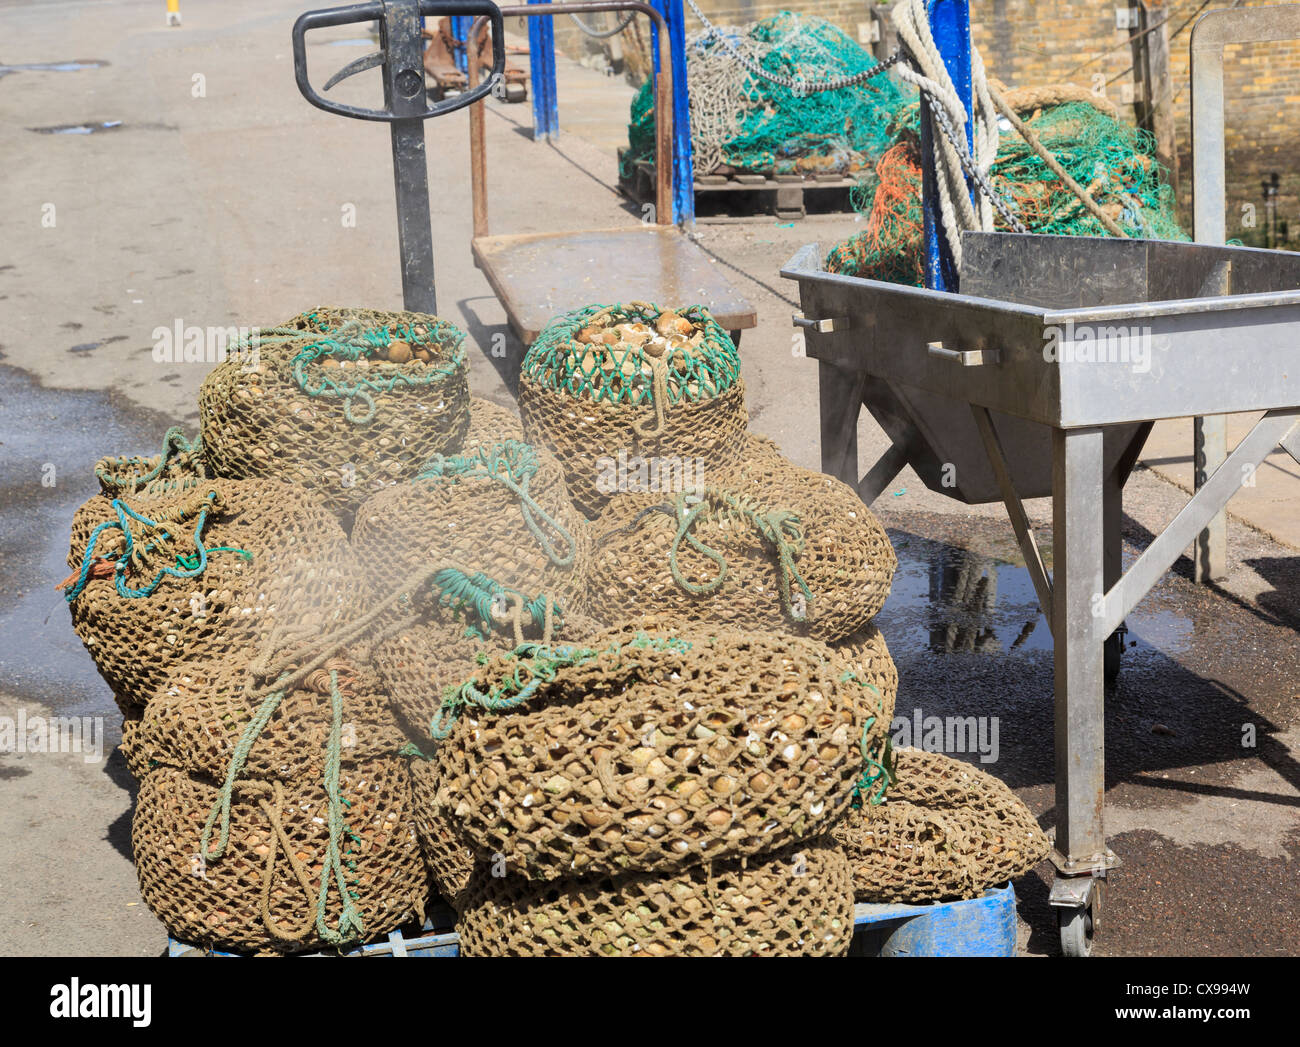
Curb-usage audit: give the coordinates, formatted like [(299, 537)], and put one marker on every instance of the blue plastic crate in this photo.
[(983, 926)]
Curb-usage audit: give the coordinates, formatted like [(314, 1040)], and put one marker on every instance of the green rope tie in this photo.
[(351, 342), (877, 774), (780, 529), (133, 555), (479, 593), (512, 464), (175, 446), (537, 665)]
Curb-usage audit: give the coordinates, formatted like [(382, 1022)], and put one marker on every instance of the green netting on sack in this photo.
[(347, 361), (619, 353), (1113, 160), (752, 123)]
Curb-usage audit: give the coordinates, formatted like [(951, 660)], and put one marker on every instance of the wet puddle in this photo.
[(54, 67), (79, 129)]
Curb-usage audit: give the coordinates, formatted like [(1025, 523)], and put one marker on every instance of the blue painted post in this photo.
[(950, 24), (683, 165), (460, 27), (541, 67)]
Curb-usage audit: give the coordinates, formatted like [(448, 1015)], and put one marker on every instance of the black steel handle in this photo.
[(409, 83)]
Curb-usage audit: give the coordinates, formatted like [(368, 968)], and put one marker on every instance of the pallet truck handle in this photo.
[(410, 81)]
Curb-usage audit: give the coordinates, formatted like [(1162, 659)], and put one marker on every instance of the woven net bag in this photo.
[(794, 902), (500, 510), (443, 649), (654, 753), (266, 556), (490, 423), (635, 381), (137, 763), (446, 851), (946, 831), (199, 718), (263, 894), (342, 408), (796, 551)]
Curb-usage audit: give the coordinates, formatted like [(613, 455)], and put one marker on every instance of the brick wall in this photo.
[(1035, 42)]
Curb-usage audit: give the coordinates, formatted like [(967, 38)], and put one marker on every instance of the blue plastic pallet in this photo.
[(979, 927)]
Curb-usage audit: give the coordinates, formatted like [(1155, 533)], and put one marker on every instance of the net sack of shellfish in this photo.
[(490, 423), (872, 668), (796, 552), (446, 852), (443, 648), (340, 402), (498, 509), (612, 388), (797, 901), (652, 753), (945, 831), (202, 576), (180, 466), (297, 866), (207, 717)]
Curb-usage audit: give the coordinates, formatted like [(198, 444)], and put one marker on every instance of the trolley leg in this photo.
[(1113, 523), (1078, 597), (840, 398)]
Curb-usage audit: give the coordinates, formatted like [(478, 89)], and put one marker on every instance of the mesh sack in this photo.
[(200, 716), (794, 902), (342, 408), (446, 851), (500, 510), (779, 548), (490, 423), (267, 556), (652, 753), (137, 763), (602, 387), (441, 650), (946, 831), (263, 893)]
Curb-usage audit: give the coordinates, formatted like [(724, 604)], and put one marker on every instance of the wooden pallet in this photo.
[(785, 196)]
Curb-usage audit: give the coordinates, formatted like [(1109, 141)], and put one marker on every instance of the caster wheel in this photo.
[(1076, 927), (508, 92)]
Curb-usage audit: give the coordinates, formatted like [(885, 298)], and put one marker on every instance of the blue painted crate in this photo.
[(983, 926)]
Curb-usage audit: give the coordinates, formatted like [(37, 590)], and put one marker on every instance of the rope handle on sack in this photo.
[(781, 529), (512, 464)]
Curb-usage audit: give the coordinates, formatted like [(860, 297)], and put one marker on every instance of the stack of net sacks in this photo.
[(764, 544), (944, 832), (656, 791), (1113, 160), (275, 810), (194, 570), (611, 388), (744, 122), (499, 551), (341, 402)]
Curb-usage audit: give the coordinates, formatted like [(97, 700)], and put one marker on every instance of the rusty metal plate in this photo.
[(538, 275)]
